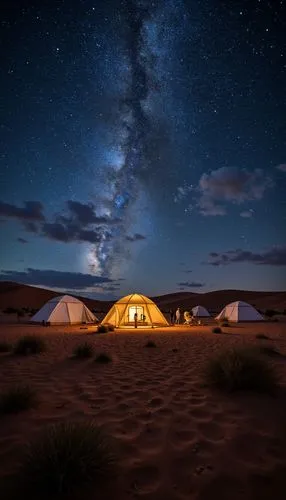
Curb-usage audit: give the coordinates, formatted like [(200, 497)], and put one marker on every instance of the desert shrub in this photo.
[(84, 350), (68, 457), (103, 358), (10, 310), (216, 329), (102, 329), (5, 347), (150, 343), (241, 369), (17, 399), (262, 336), (270, 313), (30, 344)]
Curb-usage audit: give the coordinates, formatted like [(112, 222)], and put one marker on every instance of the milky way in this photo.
[(125, 179)]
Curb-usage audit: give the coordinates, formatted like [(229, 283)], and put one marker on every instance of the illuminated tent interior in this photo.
[(64, 310), (200, 312), (240, 311), (122, 312)]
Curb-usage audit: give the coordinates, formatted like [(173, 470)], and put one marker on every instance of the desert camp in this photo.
[(143, 250)]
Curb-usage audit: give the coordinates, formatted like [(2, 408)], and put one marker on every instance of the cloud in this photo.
[(31, 227), (53, 279), (32, 210), (111, 288), (247, 213), (187, 271), (282, 167), (85, 214), (22, 240), (80, 223), (230, 185), (67, 233), (207, 206), (186, 284), (136, 237), (276, 256)]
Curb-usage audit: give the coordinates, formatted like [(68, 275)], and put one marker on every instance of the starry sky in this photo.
[(143, 145)]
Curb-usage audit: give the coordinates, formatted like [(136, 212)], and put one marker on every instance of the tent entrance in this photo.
[(139, 310)]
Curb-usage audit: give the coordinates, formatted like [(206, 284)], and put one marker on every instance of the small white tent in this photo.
[(240, 311), (122, 312), (62, 310), (200, 312)]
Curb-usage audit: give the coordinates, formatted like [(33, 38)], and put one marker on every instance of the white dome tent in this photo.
[(200, 312), (64, 310), (240, 311), (122, 312)]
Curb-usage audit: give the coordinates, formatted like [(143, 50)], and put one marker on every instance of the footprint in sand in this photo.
[(156, 402), (164, 412)]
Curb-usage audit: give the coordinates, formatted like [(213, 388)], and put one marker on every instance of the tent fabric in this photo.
[(200, 312), (240, 311), (64, 309), (122, 312)]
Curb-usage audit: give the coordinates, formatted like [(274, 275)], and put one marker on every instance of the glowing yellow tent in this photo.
[(122, 312)]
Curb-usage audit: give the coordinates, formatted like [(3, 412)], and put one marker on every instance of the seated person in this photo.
[(188, 318)]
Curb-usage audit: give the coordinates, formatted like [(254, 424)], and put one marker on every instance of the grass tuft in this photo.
[(150, 343), (84, 350), (241, 369), (216, 329), (103, 358), (30, 344), (66, 458), (17, 399)]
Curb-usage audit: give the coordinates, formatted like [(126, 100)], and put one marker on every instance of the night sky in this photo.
[(143, 145)]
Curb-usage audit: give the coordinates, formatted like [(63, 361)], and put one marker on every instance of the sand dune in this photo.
[(176, 439), (19, 295)]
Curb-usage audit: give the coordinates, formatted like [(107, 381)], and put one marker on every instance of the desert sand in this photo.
[(176, 438)]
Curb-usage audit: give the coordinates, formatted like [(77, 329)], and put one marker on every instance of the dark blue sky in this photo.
[(143, 145)]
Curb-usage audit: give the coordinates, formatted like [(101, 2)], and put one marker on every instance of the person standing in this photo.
[(135, 320), (178, 316), (172, 316)]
